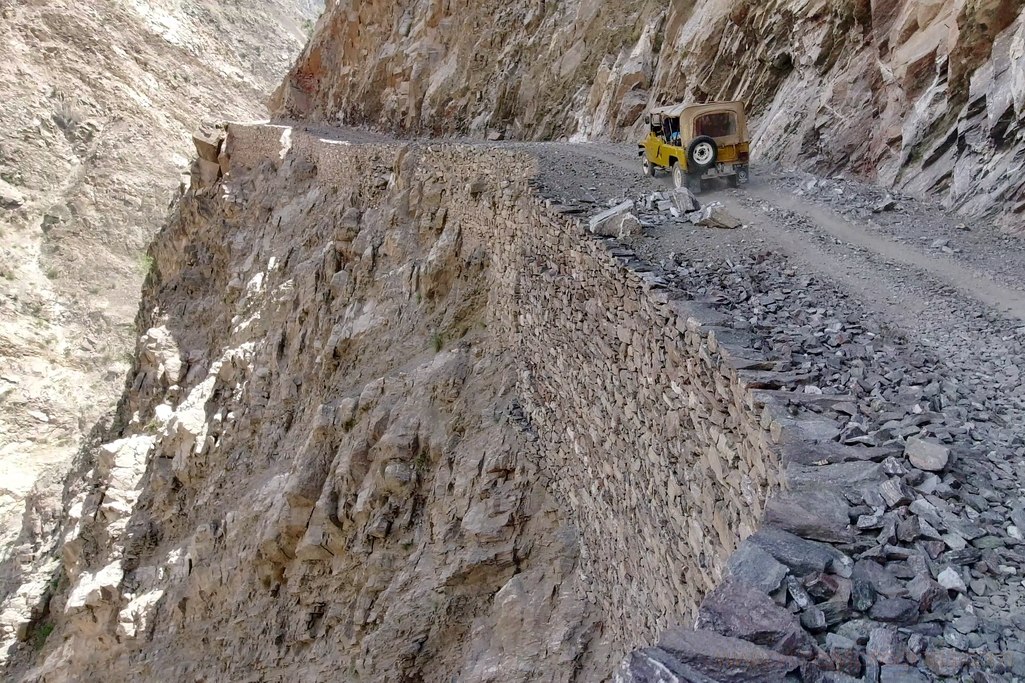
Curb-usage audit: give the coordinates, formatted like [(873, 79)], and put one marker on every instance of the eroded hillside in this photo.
[(323, 458), (422, 410), (99, 102), (921, 96)]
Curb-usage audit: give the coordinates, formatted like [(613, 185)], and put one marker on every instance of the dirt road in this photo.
[(864, 256)]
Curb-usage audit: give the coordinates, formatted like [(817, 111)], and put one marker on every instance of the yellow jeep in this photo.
[(698, 142)]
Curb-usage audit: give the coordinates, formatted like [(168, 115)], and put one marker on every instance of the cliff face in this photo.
[(98, 103), (321, 459), (921, 96)]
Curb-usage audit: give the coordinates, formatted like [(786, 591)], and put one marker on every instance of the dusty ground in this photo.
[(98, 101), (911, 258)]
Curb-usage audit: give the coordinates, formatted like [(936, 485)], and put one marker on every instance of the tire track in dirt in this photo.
[(965, 279)]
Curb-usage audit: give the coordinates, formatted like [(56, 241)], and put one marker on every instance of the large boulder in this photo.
[(715, 216), (817, 514), (683, 201), (725, 659), (596, 221), (616, 222), (801, 555), (753, 566), (740, 611), (621, 227)]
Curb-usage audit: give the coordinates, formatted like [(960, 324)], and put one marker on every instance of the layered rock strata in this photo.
[(923, 96)]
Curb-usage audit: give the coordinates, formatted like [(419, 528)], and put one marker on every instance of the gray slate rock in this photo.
[(926, 591), (894, 610), (845, 476), (683, 201), (734, 609), (945, 661), (802, 556), (886, 645), (752, 565), (895, 492), (817, 514), (845, 654), (595, 221), (927, 455), (727, 660), (877, 576), (715, 216), (621, 227), (950, 579), (655, 665), (813, 619)]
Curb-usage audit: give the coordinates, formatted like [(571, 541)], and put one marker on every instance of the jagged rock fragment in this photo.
[(926, 455), (727, 660), (715, 216)]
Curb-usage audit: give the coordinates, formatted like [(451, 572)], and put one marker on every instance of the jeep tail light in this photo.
[(742, 155)]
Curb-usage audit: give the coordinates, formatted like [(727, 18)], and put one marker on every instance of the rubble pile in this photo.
[(897, 555), (627, 218)]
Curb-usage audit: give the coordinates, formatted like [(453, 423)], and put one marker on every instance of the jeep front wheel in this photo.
[(646, 167), (679, 176)]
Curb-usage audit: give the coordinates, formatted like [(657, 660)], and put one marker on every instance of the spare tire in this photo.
[(702, 153)]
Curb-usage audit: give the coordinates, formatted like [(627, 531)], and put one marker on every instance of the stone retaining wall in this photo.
[(647, 426)]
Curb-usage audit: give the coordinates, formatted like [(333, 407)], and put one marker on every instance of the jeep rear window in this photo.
[(717, 125)]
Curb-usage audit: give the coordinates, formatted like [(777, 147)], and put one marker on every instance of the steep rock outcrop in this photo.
[(921, 96), (391, 414), (99, 99), (322, 473)]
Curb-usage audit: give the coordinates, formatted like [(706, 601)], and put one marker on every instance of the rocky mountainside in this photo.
[(98, 103), (320, 457), (398, 413), (921, 95), (417, 410)]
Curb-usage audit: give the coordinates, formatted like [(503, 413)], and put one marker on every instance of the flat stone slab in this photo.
[(725, 659), (843, 476), (801, 555), (816, 514)]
